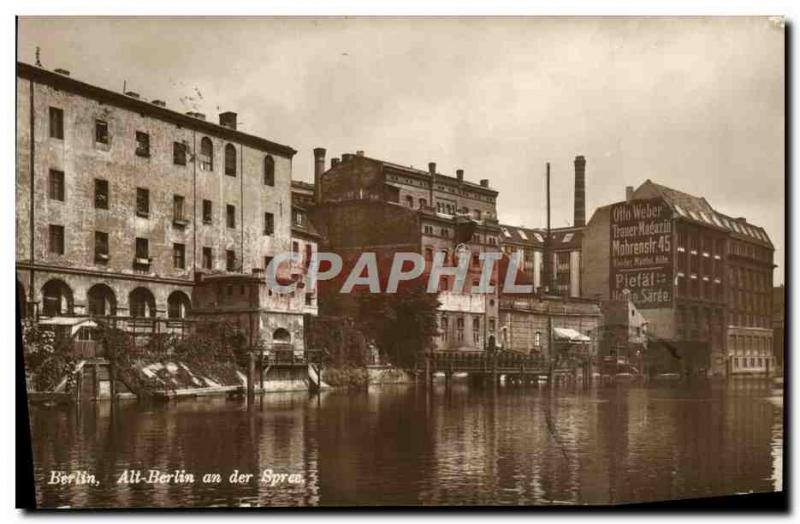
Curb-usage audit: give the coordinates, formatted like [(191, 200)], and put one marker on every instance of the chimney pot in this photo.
[(334, 161), (360, 153), (628, 193), (460, 175), (432, 168), (485, 182), (347, 157), (228, 119), (580, 191), (61, 71)]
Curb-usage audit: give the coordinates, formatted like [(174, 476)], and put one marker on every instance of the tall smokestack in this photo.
[(319, 168), (580, 191)]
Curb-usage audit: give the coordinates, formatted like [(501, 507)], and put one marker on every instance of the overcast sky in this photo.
[(696, 104)]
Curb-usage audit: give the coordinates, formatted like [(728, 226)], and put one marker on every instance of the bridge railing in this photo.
[(482, 360)]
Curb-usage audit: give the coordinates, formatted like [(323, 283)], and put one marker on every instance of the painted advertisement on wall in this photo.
[(641, 253)]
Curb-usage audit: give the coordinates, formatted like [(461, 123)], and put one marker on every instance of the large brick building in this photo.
[(124, 205), (366, 204), (701, 278)]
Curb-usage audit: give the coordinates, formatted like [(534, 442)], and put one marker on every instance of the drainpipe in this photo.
[(32, 202)]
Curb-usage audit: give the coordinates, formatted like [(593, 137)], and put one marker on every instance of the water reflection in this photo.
[(405, 445)]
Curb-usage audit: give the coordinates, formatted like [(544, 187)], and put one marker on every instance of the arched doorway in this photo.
[(178, 305), (56, 299), (142, 303), (102, 300)]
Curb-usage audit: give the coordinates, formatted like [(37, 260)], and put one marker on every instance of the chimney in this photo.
[(628, 193), (347, 157), (360, 153), (580, 191), (61, 71), (319, 168), (159, 103), (460, 175), (228, 119), (485, 182), (432, 173), (334, 161)]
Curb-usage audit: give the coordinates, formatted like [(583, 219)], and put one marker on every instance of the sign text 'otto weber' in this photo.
[(641, 252)]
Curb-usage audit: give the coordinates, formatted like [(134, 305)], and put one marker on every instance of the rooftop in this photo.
[(157, 110)]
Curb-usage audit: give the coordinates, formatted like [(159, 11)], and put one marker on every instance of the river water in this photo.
[(405, 445)]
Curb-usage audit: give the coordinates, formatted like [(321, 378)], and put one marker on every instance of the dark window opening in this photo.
[(230, 260), (100, 193), (100, 246), (56, 189), (208, 258), (101, 132), (142, 202), (230, 160), (56, 240), (230, 211), (269, 171), (142, 144), (179, 256), (56, 123), (179, 153), (269, 223), (207, 212)]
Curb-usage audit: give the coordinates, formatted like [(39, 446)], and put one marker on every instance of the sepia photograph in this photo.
[(406, 261)]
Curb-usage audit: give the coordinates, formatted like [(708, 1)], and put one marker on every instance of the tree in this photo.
[(402, 324)]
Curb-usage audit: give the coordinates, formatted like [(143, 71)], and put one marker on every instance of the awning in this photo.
[(569, 335)]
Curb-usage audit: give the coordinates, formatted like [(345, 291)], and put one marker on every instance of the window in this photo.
[(460, 329), (101, 132), (537, 339), (56, 123), (299, 217), (206, 154), (269, 223), (100, 246), (142, 144), (142, 202), (100, 193), (230, 213), (56, 240), (423, 203), (230, 260), (309, 253), (142, 250), (267, 261), (444, 328), (409, 201), (208, 258), (179, 153), (56, 185), (492, 324), (207, 212), (295, 246), (179, 256), (230, 160), (427, 229), (269, 171), (177, 208)]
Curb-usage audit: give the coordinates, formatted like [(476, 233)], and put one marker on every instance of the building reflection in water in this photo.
[(407, 445)]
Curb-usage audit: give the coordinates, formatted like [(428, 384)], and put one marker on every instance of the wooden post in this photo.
[(251, 376)]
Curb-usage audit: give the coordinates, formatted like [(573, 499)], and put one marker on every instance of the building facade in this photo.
[(701, 278), (366, 204), (124, 205)]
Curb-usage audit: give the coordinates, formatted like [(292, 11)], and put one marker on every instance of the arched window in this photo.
[(281, 335), (56, 299), (102, 301), (422, 203), (409, 201), (178, 305), (206, 154), (269, 171), (142, 303), (230, 160)]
